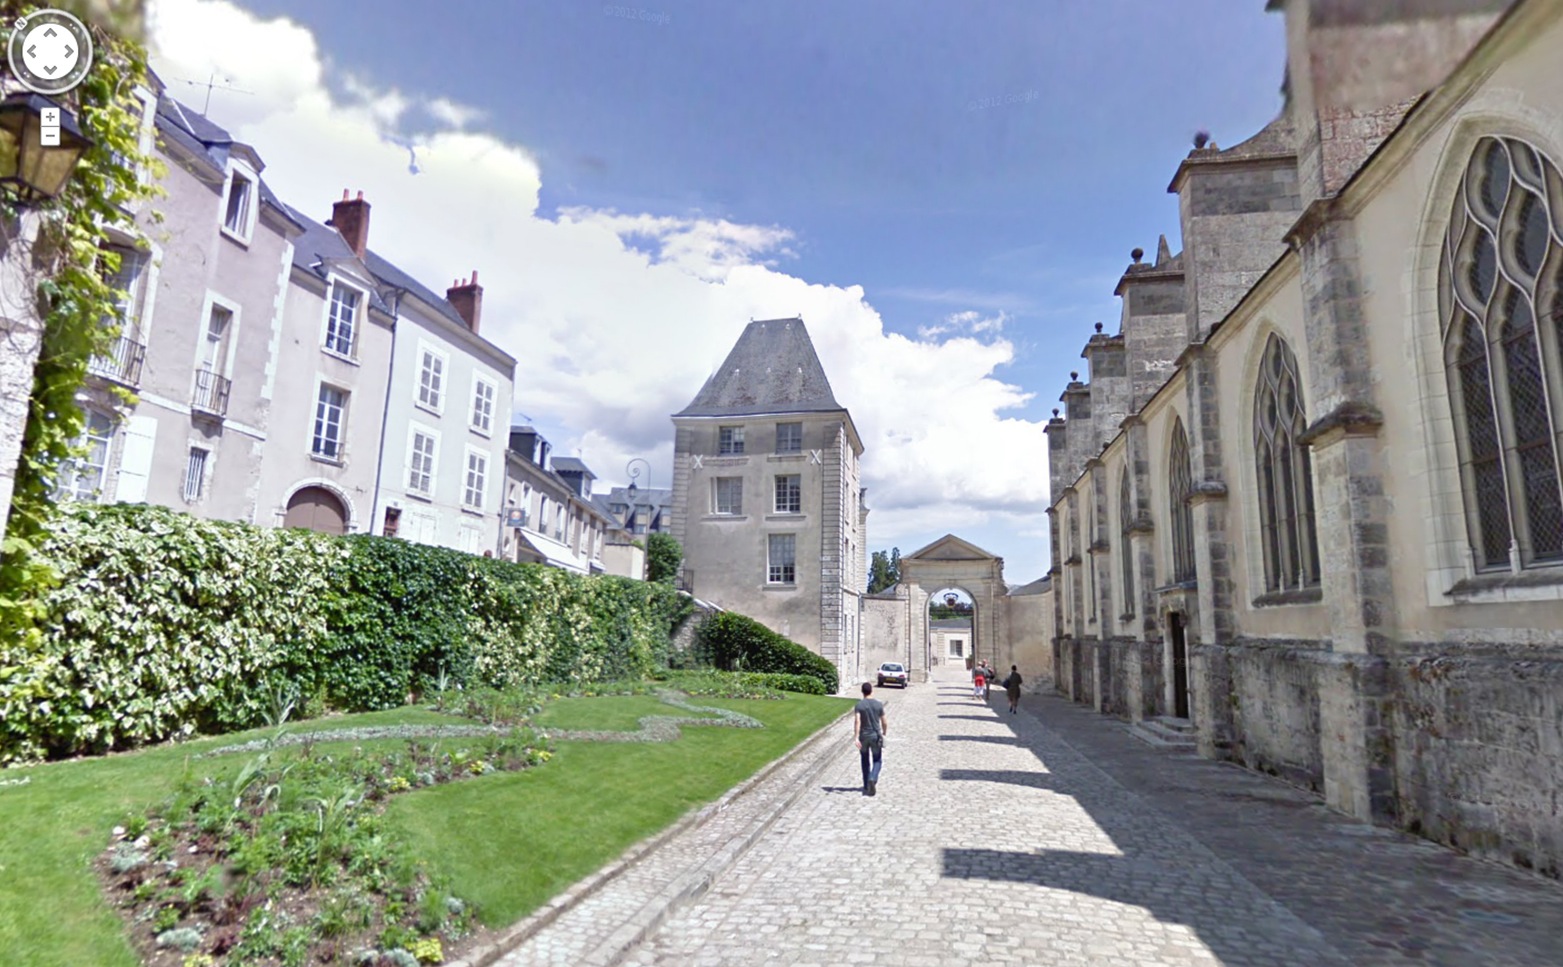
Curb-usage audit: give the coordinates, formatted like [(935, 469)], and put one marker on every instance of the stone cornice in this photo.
[(1099, 547), (1215, 157), (1072, 560), (1207, 490), (1093, 463), (1351, 418), (1191, 352), (1148, 274), (1143, 524), (1319, 213)]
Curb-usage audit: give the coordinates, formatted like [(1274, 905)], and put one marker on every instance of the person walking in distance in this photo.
[(979, 683), (868, 734), (1012, 688)]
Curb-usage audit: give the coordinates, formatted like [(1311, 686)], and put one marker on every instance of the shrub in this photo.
[(783, 682), (734, 642), (164, 624), (663, 556)]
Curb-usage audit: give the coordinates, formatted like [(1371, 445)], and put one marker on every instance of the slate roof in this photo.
[(320, 242), (1039, 586), (644, 496), (773, 368), (206, 141), (570, 465)]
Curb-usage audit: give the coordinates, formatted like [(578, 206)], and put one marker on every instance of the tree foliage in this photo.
[(884, 570), (663, 557)]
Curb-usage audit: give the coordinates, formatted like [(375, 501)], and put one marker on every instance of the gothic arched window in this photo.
[(1181, 485), (1125, 549), (1291, 551), (1500, 300)]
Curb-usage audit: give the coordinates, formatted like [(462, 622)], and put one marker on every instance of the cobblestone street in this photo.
[(1035, 839)]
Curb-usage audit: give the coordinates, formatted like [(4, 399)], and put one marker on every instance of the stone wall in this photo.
[(1031, 637), (1275, 711), (884, 631), (1478, 750)]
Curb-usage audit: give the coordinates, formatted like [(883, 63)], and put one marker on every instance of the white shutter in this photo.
[(135, 459)]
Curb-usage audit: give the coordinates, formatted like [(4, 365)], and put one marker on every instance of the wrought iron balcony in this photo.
[(122, 363), (211, 393)]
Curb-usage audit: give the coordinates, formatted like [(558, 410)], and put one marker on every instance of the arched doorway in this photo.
[(316, 509), (952, 628)]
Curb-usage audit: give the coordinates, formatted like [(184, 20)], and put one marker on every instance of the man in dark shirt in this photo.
[(868, 734)]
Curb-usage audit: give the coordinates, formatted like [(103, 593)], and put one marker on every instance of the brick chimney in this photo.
[(467, 298), (350, 217)]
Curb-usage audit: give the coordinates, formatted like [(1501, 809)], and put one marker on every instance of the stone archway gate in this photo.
[(895, 622)]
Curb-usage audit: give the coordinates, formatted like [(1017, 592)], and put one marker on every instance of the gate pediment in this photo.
[(950, 548)]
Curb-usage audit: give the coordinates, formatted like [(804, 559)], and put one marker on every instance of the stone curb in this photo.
[(517, 934), (693, 885)]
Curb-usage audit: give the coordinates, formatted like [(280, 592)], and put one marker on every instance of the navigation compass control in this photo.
[(50, 51)]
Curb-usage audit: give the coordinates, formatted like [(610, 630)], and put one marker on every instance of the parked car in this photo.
[(893, 672)]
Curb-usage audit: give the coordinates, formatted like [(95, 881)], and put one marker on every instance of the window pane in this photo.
[(789, 437), (421, 475), (238, 204), (789, 494), (195, 472), (477, 475), (729, 499), (730, 440), (328, 422), (1125, 550), (430, 380), (483, 406), (1182, 514), (341, 319), (783, 566)]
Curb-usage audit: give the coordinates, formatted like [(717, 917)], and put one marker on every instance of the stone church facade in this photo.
[(1308, 496), (766, 495)]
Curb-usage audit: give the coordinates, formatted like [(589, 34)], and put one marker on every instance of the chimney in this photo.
[(350, 217), (467, 298)]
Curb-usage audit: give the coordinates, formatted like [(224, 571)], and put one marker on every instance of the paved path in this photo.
[(995, 840)]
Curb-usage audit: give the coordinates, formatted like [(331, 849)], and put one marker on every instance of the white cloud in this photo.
[(617, 319)]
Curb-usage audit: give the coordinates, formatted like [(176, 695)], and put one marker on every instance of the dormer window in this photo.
[(239, 202)]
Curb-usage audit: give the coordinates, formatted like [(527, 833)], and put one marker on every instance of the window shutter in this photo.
[(135, 461)]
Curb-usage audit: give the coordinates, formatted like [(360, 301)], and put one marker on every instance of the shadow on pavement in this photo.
[(989, 739), (1015, 777), (857, 789), (969, 718), (1304, 890)]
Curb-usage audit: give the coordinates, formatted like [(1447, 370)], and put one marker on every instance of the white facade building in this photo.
[(447, 419)]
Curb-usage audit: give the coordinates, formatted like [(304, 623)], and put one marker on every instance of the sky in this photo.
[(946, 194)]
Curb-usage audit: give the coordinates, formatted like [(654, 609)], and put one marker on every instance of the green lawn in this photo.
[(509, 841), (514, 841)]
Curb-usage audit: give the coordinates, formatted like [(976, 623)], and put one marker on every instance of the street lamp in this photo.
[(30, 169), (635, 474)]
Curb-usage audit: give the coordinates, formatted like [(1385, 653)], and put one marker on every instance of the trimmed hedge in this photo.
[(163, 624), (733, 642)]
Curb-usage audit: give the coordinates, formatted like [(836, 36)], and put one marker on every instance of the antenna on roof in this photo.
[(211, 82)]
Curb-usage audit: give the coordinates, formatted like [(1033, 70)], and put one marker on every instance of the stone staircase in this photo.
[(1165, 732)]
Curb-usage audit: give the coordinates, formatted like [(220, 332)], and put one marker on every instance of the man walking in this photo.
[(868, 734)]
